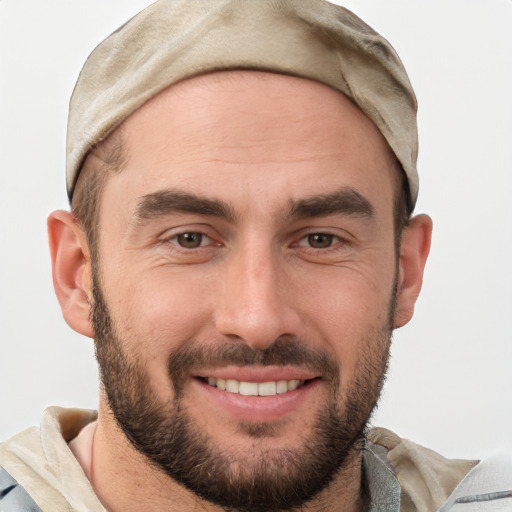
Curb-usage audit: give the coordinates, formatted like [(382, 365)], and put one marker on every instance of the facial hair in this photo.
[(263, 479)]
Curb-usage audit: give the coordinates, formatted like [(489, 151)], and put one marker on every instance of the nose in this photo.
[(256, 303)]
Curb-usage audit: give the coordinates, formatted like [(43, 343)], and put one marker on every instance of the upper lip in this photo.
[(258, 373)]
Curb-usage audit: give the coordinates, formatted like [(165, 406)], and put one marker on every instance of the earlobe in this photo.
[(414, 251), (71, 270)]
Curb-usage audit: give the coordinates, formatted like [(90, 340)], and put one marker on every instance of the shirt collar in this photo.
[(383, 486)]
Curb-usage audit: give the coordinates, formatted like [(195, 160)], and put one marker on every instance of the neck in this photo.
[(125, 481)]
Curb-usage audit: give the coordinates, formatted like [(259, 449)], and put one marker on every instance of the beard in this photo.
[(260, 479)]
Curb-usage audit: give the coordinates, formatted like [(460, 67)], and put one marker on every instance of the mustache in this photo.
[(285, 351)]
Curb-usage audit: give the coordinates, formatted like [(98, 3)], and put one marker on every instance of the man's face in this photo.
[(247, 247)]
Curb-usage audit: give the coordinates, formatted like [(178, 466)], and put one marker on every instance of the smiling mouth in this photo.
[(270, 388)]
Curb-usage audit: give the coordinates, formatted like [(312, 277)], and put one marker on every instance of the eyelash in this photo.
[(174, 239), (332, 240)]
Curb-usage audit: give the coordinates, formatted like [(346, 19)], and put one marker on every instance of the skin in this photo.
[(245, 140)]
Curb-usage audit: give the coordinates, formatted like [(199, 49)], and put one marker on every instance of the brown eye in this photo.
[(320, 240), (190, 240)]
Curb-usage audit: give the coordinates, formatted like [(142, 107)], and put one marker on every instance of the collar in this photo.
[(383, 486)]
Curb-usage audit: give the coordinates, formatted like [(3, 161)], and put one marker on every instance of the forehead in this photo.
[(246, 131)]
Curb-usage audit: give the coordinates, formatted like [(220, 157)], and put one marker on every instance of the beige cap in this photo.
[(175, 39)]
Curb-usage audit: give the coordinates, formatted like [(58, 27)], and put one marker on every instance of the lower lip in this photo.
[(258, 408)]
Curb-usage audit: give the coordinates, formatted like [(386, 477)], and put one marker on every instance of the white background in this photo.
[(450, 384)]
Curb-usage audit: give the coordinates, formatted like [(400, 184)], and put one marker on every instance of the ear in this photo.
[(413, 256), (71, 270)]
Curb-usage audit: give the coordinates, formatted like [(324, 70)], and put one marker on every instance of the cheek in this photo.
[(349, 311), (154, 316), (158, 312)]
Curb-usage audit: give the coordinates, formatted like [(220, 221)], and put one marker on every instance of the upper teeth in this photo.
[(255, 388)]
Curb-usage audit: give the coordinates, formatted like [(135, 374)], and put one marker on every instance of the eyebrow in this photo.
[(345, 201), (166, 202)]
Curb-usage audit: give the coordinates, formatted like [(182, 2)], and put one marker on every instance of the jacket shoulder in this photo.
[(427, 478)]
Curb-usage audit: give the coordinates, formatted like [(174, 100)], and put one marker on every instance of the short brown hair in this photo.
[(86, 200)]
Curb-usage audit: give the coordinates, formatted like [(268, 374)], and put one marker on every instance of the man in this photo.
[(240, 247)]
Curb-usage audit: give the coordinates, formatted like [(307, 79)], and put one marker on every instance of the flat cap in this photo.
[(172, 40)]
